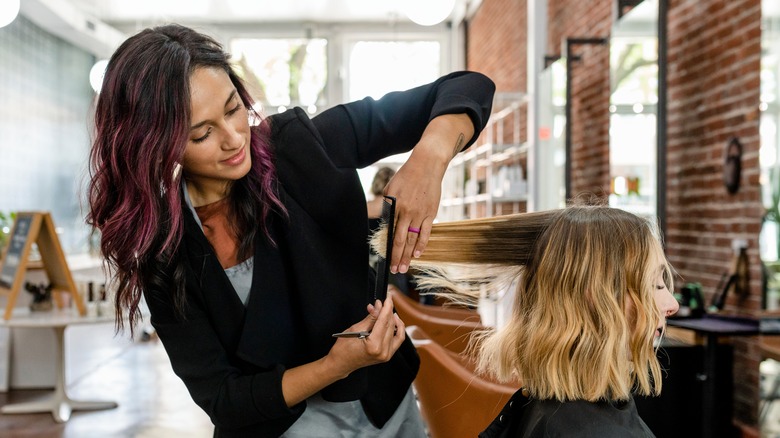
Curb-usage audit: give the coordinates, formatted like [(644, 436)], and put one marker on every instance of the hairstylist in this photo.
[(248, 241)]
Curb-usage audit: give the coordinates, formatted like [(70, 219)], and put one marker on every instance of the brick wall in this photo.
[(713, 70), (497, 43), (497, 47), (590, 88), (713, 95)]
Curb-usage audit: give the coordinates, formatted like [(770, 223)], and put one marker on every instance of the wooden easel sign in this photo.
[(29, 228)]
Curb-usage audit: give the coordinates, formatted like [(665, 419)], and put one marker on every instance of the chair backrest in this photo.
[(454, 401), (453, 333), (446, 310)]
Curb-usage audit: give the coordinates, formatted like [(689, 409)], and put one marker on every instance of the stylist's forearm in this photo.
[(303, 381), (444, 137)]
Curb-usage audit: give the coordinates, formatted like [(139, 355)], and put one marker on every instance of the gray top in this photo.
[(240, 275)]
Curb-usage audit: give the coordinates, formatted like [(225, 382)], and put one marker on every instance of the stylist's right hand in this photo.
[(387, 334)]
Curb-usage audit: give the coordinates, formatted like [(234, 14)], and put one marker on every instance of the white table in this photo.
[(58, 403)]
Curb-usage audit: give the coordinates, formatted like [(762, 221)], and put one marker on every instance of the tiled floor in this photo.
[(153, 402)]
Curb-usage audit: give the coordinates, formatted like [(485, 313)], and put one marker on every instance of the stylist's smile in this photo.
[(237, 158)]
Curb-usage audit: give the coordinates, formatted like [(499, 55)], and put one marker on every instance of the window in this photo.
[(378, 67), (285, 72), (281, 73)]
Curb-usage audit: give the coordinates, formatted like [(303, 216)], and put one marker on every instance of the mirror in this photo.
[(633, 110), (551, 149), (769, 240)]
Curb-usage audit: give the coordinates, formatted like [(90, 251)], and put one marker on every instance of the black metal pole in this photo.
[(660, 159), (567, 133)]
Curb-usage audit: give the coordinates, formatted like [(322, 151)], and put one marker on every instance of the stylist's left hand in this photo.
[(417, 185), (417, 189)]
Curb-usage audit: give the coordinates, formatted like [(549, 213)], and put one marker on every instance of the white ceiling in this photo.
[(99, 26), (258, 11)]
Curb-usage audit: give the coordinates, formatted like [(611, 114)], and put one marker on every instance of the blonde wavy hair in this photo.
[(584, 316)]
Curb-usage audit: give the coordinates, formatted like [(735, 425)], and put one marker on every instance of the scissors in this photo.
[(359, 335)]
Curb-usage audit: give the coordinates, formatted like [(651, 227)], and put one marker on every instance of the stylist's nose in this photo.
[(234, 138)]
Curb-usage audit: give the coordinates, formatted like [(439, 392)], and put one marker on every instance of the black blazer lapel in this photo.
[(271, 325), (213, 287)]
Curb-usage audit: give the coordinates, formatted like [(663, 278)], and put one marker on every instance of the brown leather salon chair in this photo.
[(447, 310), (454, 401), (450, 327)]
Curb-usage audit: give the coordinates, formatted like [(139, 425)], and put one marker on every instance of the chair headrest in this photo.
[(418, 336)]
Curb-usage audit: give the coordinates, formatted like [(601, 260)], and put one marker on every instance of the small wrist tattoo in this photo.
[(458, 144)]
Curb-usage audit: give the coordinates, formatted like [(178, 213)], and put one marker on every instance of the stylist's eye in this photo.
[(202, 138), (234, 110)]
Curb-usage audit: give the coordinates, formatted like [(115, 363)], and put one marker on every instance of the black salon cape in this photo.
[(523, 417), (316, 282)]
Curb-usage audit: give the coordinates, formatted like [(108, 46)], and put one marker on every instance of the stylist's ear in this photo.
[(254, 118)]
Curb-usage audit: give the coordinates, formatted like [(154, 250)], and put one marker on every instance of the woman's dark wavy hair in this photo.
[(142, 122)]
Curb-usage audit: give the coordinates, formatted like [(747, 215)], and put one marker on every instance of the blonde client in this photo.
[(593, 293)]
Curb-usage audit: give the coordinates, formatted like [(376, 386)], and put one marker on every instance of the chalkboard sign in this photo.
[(18, 249), (29, 228)]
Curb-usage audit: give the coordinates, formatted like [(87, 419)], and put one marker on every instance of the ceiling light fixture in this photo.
[(9, 9), (428, 12), (96, 74)]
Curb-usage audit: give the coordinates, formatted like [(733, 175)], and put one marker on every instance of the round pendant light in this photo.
[(428, 12), (9, 9), (96, 74)]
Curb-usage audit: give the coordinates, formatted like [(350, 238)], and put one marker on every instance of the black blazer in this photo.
[(315, 281)]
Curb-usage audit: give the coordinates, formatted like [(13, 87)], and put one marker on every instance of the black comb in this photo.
[(383, 266)]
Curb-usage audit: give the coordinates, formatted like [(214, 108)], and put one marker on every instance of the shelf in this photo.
[(494, 165), (511, 151), (482, 197), (451, 202), (517, 198), (500, 152), (472, 153)]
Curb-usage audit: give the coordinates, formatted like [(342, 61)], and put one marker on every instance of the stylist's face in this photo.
[(217, 151)]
